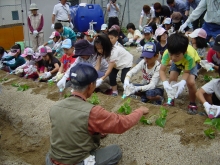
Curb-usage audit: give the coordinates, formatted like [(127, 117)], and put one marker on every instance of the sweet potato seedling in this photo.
[(50, 83), (214, 126), (94, 99), (161, 121), (207, 78), (145, 121), (15, 84), (4, 79), (125, 108), (20, 87), (67, 95)]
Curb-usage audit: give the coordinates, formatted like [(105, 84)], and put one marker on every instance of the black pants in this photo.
[(199, 22), (112, 21), (113, 75)]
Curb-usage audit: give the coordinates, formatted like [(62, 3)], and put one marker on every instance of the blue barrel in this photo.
[(82, 16)]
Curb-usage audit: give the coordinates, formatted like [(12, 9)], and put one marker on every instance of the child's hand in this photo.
[(167, 86), (99, 82), (180, 85)]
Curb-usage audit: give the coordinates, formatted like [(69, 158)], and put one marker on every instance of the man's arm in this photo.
[(30, 26), (102, 121), (53, 19), (108, 6), (41, 24)]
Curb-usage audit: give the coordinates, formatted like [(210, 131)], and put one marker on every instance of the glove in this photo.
[(18, 70), (35, 33), (57, 77), (182, 27), (212, 65), (140, 28), (71, 25), (47, 74), (207, 107), (137, 88), (90, 160), (166, 86), (126, 83), (62, 83), (130, 40), (180, 85), (52, 26), (99, 82), (139, 48)]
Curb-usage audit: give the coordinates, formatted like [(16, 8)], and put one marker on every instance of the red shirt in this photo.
[(67, 61), (209, 55)]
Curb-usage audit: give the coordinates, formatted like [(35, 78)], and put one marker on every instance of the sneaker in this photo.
[(133, 96), (192, 109), (108, 92), (144, 99), (159, 102), (169, 104), (114, 94)]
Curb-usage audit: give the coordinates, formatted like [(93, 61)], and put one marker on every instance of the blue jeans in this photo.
[(109, 155), (211, 29)]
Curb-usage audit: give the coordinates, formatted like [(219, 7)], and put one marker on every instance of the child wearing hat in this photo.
[(55, 37), (168, 26), (214, 54), (104, 29), (51, 63), (35, 24), (67, 59), (90, 37), (79, 36), (161, 35), (84, 53), (29, 70), (151, 87), (15, 53)]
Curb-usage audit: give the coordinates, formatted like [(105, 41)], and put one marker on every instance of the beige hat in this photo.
[(33, 6)]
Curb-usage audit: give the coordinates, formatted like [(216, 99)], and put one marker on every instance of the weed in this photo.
[(94, 99), (214, 125), (161, 121), (125, 108), (50, 83), (4, 79), (207, 78), (124, 30), (67, 95)]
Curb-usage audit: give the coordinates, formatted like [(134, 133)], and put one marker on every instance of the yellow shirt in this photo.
[(188, 62)]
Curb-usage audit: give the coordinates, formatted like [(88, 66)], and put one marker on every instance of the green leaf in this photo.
[(94, 99), (125, 108), (143, 120), (161, 122), (67, 95), (15, 85), (208, 121), (163, 112), (207, 78), (210, 133), (216, 123)]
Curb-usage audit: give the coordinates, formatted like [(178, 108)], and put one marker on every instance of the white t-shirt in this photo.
[(212, 87), (136, 33), (61, 12), (150, 15), (121, 57)]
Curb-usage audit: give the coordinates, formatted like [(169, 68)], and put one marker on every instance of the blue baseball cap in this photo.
[(149, 50), (67, 43), (147, 29)]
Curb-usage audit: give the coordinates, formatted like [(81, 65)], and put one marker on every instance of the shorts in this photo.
[(193, 71), (152, 92), (215, 100)]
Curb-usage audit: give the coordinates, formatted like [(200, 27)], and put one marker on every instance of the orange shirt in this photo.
[(67, 61)]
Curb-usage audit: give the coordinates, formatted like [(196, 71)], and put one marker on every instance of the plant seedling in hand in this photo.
[(161, 121), (125, 108), (94, 99)]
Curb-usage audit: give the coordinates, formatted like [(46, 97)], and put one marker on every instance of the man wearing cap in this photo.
[(211, 20), (198, 22), (113, 10), (214, 54), (161, 12), (77, 124), (85, 54), (61, 12), (35, 24)]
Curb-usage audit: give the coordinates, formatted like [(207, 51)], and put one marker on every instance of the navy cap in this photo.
[(147, 29), (83, 74), (149, 50)]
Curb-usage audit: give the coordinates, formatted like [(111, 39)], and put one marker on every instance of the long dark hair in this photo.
[(2, 51), (17, 46), (201, 42), (106, 44)]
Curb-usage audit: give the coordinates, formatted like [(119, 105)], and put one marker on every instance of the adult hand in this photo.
[(62, 83), (145, 110), (71, 25), (99, 82), (207, 107), (140, 28), (182, 27), (126, 83), (166, 86), (52, 26), (48, 74), (180, 86)]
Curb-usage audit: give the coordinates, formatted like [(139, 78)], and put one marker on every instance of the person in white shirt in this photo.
[(113, 10), (151, 87), (113, 36), (149, 13), (61, 13), (134, 35), (118, 59)]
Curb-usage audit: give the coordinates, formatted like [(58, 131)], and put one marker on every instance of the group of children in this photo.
[(160, 50)]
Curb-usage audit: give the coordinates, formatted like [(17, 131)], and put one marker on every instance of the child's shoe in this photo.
[(144, 99), (169, 103), (192, 109), (159, 102)]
